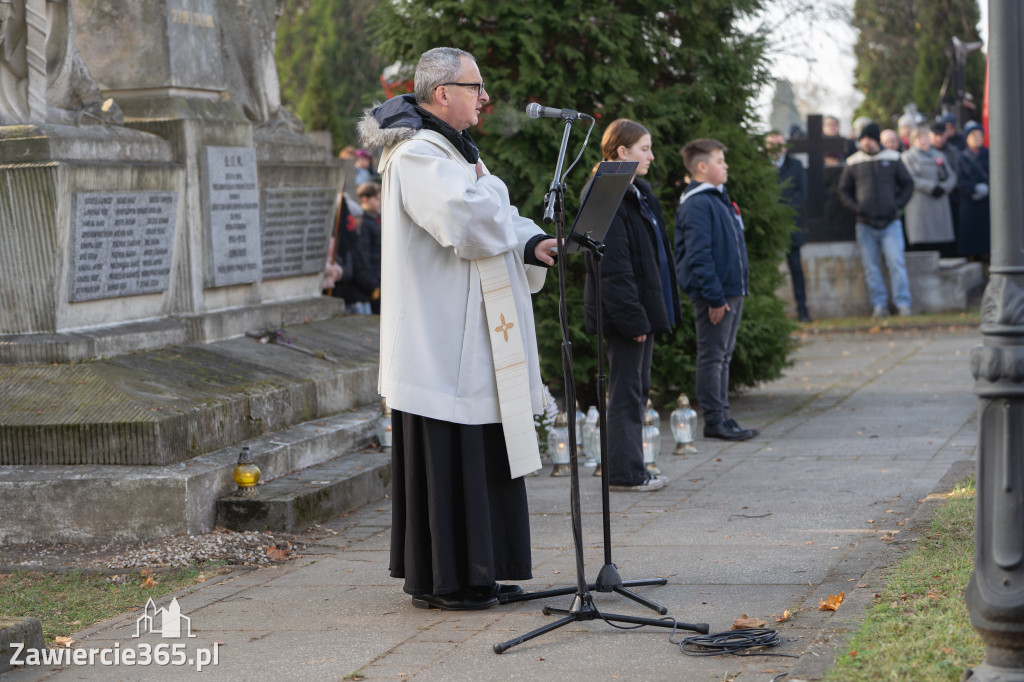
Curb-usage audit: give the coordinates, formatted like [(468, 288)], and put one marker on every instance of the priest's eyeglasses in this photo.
[(479, 86)]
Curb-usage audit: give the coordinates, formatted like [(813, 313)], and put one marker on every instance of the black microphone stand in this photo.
[(582, 608)]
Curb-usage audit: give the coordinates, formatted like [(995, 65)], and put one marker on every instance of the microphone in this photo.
[(534, 110)]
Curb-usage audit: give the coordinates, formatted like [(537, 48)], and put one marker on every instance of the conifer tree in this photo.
[(941, 21), (886, 52), (327, 65), (902, 54), (683, 70)]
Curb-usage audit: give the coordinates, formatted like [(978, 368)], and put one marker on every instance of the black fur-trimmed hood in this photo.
[(385, 125), (398, 119)]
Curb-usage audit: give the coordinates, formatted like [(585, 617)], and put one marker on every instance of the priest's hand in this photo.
[(545, 251)]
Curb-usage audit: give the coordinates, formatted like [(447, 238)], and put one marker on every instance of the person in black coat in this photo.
[(640, 298), (793, 183), (973, 239), (369, 234), (359, 284)]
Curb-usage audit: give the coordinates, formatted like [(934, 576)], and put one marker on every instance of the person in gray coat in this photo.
[(928, 218)]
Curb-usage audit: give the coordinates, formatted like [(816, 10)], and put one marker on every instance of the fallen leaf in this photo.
[(63, 641), (786, 615), (832, 603), (745, 621), (149, 582), (853, 654), (279, 551)]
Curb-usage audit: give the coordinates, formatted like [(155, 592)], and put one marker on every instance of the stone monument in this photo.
[(157, 204), (785, 114), (158, 212)]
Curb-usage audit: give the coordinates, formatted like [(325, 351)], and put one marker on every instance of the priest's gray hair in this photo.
[(437, 66)]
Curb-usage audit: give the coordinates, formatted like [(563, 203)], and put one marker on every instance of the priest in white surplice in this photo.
[(458, 364)]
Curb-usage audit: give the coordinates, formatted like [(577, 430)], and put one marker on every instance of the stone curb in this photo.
[(28, 631)]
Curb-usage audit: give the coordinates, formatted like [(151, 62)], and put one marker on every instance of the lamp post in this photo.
[(995, 594)]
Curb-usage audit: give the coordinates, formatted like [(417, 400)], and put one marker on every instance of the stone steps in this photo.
[(835, 281), (142, 446), (109, 503), (311, 495), (169, 405)]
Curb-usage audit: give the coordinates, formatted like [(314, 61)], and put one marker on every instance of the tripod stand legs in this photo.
[(593, 587), (608, 580), (640, 600), (583, 609)]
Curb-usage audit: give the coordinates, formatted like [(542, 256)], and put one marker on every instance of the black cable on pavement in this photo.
[(735, 642)]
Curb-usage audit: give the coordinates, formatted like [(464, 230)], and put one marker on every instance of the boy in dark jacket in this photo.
[(875, 185), (712, 268)]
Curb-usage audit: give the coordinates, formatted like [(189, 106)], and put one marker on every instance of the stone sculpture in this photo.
[(42, 77)]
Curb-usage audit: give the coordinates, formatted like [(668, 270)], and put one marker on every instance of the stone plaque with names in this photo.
[(297, 226), (121, 243), (231, 215)]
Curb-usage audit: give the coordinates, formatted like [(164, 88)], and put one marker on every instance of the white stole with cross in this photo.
[(509, 367)]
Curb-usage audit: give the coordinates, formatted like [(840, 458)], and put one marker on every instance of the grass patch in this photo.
[(950, 319), (919, 628), (73, 601)]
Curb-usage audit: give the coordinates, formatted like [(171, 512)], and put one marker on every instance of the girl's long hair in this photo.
[(621, 133)]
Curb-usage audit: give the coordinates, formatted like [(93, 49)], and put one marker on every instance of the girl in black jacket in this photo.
[(640, 299)]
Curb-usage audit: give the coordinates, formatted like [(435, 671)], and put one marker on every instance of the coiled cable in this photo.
[(735, 642)]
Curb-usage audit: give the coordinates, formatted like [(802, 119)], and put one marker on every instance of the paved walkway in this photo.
[(853, 438)]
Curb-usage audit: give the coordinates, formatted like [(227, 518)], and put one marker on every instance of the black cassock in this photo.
[(458, 518)]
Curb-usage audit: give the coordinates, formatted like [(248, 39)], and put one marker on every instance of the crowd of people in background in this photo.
[(938, 152), (921, 186), (354, 260), (946, 209)]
